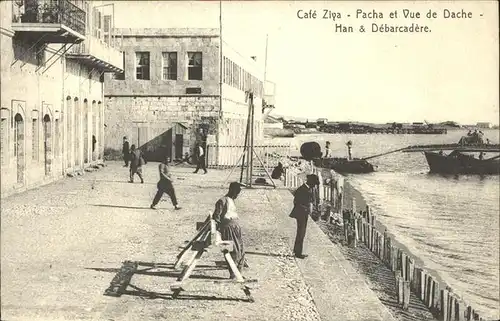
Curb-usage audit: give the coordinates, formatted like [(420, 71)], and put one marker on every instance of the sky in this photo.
[(450, 73)]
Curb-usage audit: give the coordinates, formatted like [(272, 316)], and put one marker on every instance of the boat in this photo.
[(459, 163), (462, 158), (311, 151), (342, 165)]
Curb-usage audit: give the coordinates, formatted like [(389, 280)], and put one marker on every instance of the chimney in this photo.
[(254, 58)]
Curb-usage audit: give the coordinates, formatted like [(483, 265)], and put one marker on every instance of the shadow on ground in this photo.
[(121, 283)]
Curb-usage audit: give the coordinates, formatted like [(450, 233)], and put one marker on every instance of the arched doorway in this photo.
[(69, 124), (94, 128), (77, 132), (100, 131), (19, 147), (85, 131), (47, 142)]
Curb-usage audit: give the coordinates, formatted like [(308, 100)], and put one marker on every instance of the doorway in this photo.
[(77, 132), (47, 142), (19, 147), (85, 132), (179, 144)]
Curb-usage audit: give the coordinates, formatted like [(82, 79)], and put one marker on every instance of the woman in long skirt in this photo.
[(226, 216)]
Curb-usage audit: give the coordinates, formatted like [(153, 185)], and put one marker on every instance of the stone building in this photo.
[(53, 57), (170, 93)]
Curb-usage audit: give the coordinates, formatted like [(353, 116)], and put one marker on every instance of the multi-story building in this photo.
[(179, 86), (53, 57)]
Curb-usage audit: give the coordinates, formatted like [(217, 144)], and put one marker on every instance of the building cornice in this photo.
[(167, 32)]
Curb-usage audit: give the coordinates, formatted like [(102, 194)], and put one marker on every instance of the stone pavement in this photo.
[(62, 245)]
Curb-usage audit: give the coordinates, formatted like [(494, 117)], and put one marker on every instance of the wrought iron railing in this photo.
[(52, 11)]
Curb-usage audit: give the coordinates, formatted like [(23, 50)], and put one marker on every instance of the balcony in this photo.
[(49, 21), (97, 54)]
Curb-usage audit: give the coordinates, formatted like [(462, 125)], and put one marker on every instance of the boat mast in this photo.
[(265, 64)]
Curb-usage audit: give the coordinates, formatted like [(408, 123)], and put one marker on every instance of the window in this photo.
[(193, 91), (142, 65), (195, 65), (169, 67), (34, 140)]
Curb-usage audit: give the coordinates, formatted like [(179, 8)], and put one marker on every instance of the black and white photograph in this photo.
[(249, 160)]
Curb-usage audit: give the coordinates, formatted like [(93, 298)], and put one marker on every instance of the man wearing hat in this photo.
[(302, 208)]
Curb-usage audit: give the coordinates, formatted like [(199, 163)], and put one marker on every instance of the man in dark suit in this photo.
[(302, 208), (125, 151)]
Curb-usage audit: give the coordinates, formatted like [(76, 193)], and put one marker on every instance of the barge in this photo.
[(462, 159)]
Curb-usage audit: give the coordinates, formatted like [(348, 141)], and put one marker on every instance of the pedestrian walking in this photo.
[(226, 216), (200, 164), (165, 185), (136, 162), (125, 151), (302, 208)]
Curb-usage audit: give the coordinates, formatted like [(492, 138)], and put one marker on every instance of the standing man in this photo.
[(327, 150), (201, 158), (165, 185), (125, 151), (302, 208), (136, 162), (349, 150)]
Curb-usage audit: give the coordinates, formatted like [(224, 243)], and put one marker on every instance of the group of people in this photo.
[(228, 224), (136, 159), (225, 213), (476, 137)]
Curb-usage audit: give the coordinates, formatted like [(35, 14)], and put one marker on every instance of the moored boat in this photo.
[(311, 151), (343, 165), (463, 158), (460, 163)]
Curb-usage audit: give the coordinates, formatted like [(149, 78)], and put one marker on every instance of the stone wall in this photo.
[(142, 119)]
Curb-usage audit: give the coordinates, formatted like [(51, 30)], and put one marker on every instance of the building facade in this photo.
[(177, 90), (54, 54)]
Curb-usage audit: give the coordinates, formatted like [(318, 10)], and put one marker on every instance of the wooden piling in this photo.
[(410, 266), (354, 221), (429, 291), (444, 315), (399, 287), (384, 247), (460, 310), (451, 307), (368, 229), (415, 283), (436, 302), (388, 251), (422, 281), (380, 247), (403, 265), (406, 294)]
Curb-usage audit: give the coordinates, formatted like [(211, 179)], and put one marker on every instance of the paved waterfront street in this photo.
[(64, 243)]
